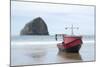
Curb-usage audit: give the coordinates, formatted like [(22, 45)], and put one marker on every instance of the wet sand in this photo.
[(48, 54)]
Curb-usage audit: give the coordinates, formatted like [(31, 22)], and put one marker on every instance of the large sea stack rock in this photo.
[(35, 27)]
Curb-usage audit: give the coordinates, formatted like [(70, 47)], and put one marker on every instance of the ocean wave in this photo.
[(32, 43), (40, 43)]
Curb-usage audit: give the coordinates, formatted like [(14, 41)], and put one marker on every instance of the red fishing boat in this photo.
[(70, 43)]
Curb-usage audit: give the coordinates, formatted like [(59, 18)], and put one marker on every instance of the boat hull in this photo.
[(70, 44), (74, 49)]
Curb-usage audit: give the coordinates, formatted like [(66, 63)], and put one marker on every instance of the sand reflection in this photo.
[(71, 56)]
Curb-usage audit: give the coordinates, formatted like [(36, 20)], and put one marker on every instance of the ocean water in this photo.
[(33, 50)]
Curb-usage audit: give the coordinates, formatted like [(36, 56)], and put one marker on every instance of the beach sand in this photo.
[(49, 54)]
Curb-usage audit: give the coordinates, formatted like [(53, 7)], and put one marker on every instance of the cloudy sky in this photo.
[(56, 16)]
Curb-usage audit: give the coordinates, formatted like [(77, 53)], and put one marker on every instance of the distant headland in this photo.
[(35, 27)]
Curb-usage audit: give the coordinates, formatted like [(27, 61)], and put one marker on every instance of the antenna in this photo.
[(72, 29)]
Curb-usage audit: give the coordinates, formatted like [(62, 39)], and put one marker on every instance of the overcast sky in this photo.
[(56, 16)]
